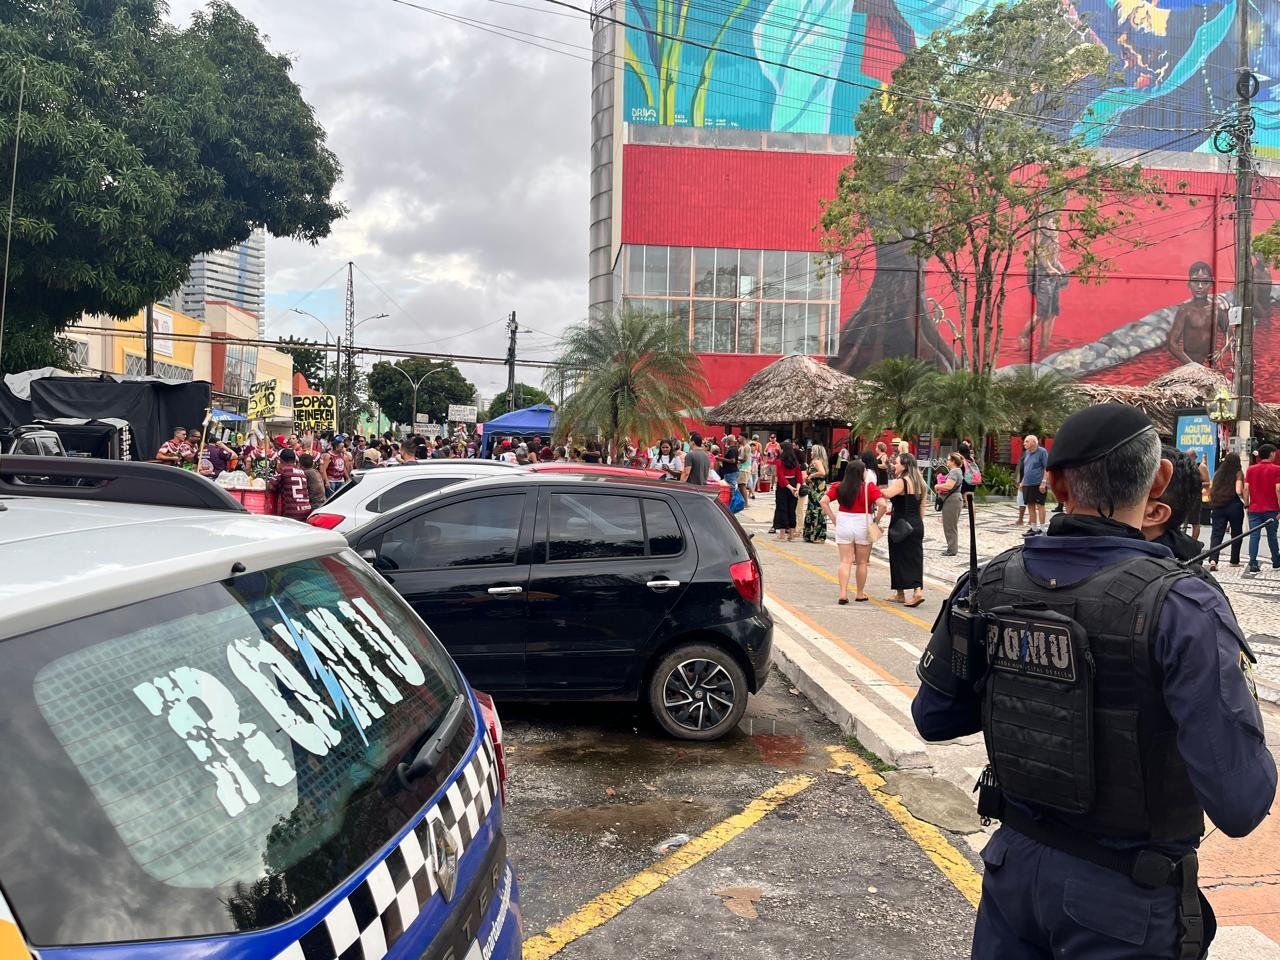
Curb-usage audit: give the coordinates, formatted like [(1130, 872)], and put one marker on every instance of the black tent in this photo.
[(153, 408)]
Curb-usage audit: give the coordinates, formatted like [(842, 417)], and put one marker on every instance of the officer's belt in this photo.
[(1146, 868)]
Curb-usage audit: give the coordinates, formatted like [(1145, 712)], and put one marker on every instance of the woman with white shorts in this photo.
[(853, 506)]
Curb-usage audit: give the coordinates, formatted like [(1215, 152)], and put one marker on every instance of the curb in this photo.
[(846, 708), (1267, 691)]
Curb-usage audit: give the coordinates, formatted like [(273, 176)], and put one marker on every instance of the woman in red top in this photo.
[(790, 482), (861, 505), (335, 466)]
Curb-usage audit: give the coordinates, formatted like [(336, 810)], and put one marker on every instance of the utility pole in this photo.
[(150, 367), (512, 328), (1246, 90), (349, 396)]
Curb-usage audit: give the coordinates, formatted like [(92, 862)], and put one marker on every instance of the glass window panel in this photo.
[(775, 268), (833, 281), (749, 273), (655, 271), (704, 272), (702, 323), (819, 270), (470, 533), (665, 538), (680, 315), (770, 327), (726, 273), (726, 315), (747, 326), (811, 331), (796, 281), (833, 329), (635, 270), (594, 527), (796, 320), (678, 272)]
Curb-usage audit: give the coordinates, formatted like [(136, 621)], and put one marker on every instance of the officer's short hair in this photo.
[(1120, 479), (1183, 492)]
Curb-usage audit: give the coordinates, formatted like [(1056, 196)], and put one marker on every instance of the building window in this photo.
[(739, 301), (79, 353), (136, 366), (240, 369)]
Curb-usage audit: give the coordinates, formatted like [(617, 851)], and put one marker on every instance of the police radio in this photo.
[(955, 662)]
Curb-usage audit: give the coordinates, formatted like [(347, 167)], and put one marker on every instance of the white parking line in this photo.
[(911, 648)]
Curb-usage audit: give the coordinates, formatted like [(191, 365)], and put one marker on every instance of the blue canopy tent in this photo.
[(538, 420)]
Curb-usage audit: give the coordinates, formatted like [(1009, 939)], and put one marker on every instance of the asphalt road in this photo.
[(594, 789)]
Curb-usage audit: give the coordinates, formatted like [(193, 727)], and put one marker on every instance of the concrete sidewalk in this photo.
[(857, 664)]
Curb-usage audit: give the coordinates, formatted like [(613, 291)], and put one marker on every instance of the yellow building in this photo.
[(108, 345)]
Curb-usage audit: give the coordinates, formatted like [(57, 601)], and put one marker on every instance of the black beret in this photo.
[(1092, 433)]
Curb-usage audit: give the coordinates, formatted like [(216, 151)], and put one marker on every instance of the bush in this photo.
[(998, 481)]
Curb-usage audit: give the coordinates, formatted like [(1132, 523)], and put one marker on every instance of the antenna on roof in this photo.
[(13, 188)]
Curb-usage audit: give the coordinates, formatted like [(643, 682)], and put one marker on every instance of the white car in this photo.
[(371, 493), (225, 735)]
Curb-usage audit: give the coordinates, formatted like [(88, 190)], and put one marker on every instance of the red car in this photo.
[(723, 490)]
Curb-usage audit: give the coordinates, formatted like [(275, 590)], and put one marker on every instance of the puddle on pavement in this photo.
[(758, 741), (629, 824)]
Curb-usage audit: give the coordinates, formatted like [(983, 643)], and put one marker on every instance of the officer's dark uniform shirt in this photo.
[(1220, 732)]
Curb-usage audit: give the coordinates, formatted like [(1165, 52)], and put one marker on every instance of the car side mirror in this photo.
[(369, 555)]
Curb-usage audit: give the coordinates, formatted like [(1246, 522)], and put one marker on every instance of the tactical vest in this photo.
[(1073, 710)]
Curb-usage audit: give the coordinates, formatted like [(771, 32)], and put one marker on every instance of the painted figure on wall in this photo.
[(1199, 333), (1047, 279)]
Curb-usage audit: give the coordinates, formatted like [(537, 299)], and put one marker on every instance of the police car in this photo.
[(224, 736)]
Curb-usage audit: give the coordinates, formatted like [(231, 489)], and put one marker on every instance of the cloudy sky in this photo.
[(465, 159)]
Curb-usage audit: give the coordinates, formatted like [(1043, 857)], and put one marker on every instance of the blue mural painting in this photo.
[(805, 66)]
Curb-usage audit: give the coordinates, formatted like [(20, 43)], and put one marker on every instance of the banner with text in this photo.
[(315, 413), (459, 413), (1196, 432), (263, 398)]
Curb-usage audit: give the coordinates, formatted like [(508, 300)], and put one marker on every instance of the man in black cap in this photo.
[(1113, 693)]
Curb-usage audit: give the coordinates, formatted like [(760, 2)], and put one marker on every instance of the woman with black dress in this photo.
[(906, 531), (790, 477)]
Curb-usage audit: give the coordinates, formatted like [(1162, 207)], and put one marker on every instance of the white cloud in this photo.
[(465, 161)]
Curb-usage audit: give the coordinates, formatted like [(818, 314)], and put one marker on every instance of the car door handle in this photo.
[(504, 591), (662, 584)]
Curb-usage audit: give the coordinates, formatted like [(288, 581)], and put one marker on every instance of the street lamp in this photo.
[(413, 419), (327, 333)]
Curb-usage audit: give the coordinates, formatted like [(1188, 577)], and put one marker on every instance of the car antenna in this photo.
[(13, 188)]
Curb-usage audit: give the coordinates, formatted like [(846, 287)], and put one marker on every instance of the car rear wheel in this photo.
[(698, 692)]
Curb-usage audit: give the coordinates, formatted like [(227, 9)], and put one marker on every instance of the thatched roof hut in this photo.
[(791, 390), (1190, 385)]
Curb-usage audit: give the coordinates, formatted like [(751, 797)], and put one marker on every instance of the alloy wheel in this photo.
[(698, 694)]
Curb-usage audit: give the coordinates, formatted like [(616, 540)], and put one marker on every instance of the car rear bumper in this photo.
[(753, 635)]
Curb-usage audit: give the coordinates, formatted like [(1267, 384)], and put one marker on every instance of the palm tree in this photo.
[(961, 404), (635, 374), (887, 398), (1038, 402)]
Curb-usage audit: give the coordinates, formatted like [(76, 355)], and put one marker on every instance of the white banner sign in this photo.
[(461, 414)]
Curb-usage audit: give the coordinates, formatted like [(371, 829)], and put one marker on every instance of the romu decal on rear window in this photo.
[(238, 742)]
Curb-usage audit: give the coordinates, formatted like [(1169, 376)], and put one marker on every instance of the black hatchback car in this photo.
[(582, 587)]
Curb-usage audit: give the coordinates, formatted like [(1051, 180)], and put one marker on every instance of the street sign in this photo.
[(421, 419), (262, 399), (461, 414), (315, 413)]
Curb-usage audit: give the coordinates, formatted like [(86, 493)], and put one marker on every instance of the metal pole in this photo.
[(13, 191), (150, 368), (512, 327), (1246, 88)]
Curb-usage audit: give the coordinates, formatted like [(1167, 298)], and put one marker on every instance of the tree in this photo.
[(308, 359), (968, 160), (960, 404), (632, 374), (887, 397), (143, 145), (526, 396), (393, 392), (1037, 402)]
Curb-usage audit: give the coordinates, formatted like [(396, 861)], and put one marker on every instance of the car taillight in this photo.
[(326, 521), (746, 577), (494, 726)]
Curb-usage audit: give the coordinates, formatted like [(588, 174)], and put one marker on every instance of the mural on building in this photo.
[(804, 66)]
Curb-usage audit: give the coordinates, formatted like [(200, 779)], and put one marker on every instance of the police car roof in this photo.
[(64, 558)]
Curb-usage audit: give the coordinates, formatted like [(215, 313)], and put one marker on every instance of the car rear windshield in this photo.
[(213, 760)]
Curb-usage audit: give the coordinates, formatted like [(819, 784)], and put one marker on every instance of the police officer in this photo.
[(1112, 690)]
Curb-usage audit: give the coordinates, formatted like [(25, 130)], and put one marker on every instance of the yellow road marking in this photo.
[(848, 648), (892, 608), (953, 864), (612, 902)]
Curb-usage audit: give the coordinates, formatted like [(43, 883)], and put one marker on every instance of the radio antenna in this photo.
[(13, 189)]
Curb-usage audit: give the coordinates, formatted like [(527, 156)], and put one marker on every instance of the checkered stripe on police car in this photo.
[(367, 923)]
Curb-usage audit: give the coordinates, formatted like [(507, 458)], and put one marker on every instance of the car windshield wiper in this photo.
[(432, 750)]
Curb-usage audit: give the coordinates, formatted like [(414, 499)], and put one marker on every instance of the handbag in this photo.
[(899, 530), (874, 532)]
